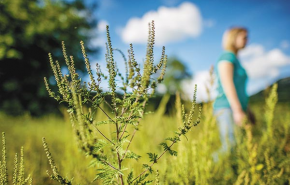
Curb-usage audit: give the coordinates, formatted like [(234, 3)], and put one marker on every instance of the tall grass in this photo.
[(262, 157)]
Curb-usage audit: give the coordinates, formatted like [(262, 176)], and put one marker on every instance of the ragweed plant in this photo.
[(195, 165), (125, 111), (18, 177), (262, 160), (55, 174)]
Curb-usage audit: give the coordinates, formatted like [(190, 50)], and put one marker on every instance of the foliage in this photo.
[(18, 172), (261, 156), (264, 160), (29, 30), (55, 174), (109, 153), (194, 164)]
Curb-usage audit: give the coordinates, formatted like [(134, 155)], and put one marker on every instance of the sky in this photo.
[(192, 31)]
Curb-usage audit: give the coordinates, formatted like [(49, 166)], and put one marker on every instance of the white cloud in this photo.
[(260, 64), (263, 67), (171, 25)]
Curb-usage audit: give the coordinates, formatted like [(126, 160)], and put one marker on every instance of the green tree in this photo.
[(29, 30), (176, 72)]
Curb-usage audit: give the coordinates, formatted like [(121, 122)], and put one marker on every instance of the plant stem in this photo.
[(104, 135), (106, 114), (144, 103), (129, 144), (120, 166), (110, 165), (137, 99), (154, 162), (118, 154), (110, 106)]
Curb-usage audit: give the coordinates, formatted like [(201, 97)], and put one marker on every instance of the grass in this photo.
[(259, 159)]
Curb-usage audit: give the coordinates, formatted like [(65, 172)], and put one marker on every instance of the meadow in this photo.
[(262, 155), (92, 142)]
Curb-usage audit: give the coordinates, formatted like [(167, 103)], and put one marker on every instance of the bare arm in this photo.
[(226, 71)]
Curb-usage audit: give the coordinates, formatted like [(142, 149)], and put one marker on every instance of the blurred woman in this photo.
[(231, 104)]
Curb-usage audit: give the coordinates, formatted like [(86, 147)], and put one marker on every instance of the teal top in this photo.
[(240, 78)]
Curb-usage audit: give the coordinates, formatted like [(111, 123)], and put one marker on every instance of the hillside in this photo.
[(283, 92)]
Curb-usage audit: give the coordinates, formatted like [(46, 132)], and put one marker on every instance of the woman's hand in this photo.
[(239, 117), (251, 117)]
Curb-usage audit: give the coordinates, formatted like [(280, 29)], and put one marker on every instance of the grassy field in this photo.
[(261, 157)]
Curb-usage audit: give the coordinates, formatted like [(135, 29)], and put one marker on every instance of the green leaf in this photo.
[(70, 111), (172, 152), (153, 157), (118, 100), (165, 146), (102, 122), (146, 166), (147, 182), (143, 177), (132, 155), (173, 139), (130, 177)]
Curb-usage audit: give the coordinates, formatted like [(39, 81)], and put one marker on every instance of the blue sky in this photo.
[(192, 31)]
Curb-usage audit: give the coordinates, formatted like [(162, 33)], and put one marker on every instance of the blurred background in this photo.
[(190, 30), (192, 33)]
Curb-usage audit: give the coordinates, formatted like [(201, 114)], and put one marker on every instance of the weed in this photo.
[(125, 112)]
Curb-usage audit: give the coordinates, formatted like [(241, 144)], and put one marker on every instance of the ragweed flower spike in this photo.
[(55, 174), (93, 85), (65, 54), (74, 75), (148, 66), (190, 116), (160, 78), (56, 74), (99, 74), (15, 171), (111, 68), (199, 116), (71, 67), (51, 94), (59, 70), (161, 62), (4, 173), (21, 166), (133, 64)]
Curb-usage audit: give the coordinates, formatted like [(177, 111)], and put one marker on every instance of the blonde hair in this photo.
[(230, 36)]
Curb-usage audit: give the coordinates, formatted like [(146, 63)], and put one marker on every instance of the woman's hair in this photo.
[(230, 36)]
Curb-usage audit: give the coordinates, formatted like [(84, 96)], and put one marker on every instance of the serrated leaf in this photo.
[(146, 166), (143, 177), (130, 177), (102, 122), (147, 182), (153, 157), (165, 146), (132, 155), (172, 152)]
